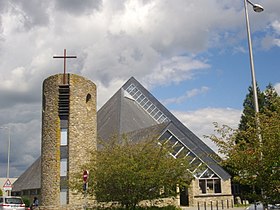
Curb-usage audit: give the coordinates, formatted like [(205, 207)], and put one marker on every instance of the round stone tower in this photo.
[(68, 135)]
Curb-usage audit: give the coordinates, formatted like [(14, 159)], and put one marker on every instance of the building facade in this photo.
[(69, 131)]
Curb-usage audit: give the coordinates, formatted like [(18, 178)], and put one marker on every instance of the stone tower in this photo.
[(68, 134)]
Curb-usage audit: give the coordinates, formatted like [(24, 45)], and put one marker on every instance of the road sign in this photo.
[(85, 175), (7, 185)]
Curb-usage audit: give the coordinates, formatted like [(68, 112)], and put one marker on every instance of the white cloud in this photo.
[(201, 121), (276, 26), (175, 70), (272, 39), (277, 88), (188, 94)]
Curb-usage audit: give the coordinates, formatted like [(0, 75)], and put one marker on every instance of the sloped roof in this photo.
[(124, 113), (121, 115), (30, 179)]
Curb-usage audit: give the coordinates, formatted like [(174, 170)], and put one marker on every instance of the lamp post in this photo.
[(9, 148), (256, 8)]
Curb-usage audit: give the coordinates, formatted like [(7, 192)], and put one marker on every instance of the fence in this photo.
[(215, 205)]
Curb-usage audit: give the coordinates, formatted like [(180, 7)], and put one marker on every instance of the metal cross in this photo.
[(64, 57)]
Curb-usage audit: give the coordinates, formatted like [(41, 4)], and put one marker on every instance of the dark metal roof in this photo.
[(121, 115), (132, 117)]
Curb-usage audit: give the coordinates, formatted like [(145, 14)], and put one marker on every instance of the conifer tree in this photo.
[(248, 115)]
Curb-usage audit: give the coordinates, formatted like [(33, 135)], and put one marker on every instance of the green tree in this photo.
[(128, 172), (248, 115), (251, 153), (1, 193)]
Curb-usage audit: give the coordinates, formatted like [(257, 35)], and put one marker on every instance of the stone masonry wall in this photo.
[(82, 128), (219, 199), (50, 152)]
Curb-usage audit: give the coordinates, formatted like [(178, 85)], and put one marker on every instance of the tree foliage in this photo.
[(128, 172), (248, 116), (251, 153)]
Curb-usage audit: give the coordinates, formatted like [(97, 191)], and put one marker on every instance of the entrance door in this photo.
[(184, 197)]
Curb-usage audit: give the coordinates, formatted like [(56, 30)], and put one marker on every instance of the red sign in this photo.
[(85, 175)]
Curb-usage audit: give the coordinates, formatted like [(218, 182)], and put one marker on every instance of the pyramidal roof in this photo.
[(133, 109)]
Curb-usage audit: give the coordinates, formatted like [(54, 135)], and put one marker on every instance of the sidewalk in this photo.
[(208, 208)]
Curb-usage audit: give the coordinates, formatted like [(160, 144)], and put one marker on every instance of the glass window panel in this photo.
[(217, 186), (136, 94), (133, 91), (140, 98), (207, 174), (162, 118), (210, 186), (158, 115), (130, 88), (183, 153), (202, 186), (63, 167), (151, 108), (191, 157), (147, 105), (63, 136), (215, 176), (199, 170), (154, 112), (195, 162), (176, 148), (144, 101), (63, 196), (172, 141), (165, 136)]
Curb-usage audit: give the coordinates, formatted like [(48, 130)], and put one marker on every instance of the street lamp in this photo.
[(256, 8), (9, 148)]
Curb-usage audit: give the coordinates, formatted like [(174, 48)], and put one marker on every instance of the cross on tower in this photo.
[(64, 57)]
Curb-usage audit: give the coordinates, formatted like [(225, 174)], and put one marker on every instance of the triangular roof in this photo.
[(133, 109)]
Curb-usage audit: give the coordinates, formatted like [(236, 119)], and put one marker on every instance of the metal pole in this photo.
[(255, 96), (254, 86), (9, 148)]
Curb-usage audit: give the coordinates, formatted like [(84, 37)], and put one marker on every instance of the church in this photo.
[(132, 109)]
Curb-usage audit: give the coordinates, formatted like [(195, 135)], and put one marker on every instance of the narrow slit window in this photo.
[(63, 137), (63, 167)]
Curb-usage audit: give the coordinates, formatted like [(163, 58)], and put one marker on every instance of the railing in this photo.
[(215, 205)]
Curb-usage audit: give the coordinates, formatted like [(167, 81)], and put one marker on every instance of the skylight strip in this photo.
[(136, 94)]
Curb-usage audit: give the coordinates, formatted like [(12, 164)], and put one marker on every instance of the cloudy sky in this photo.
[(191, 54)]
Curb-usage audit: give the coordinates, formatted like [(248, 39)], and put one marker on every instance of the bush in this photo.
[(145, 208), (26, 201)]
